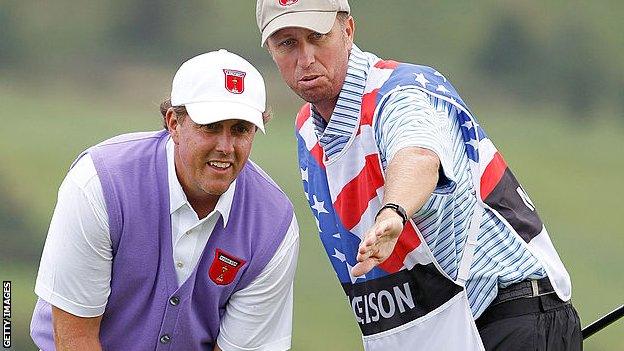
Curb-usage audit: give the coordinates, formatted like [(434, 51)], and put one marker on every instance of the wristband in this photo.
[(397, 208)]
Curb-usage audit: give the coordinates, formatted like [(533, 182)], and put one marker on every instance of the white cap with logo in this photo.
[(219, 85), (316, 15)]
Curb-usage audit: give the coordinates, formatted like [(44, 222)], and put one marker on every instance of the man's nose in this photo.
[(306, 55), (225, 143)]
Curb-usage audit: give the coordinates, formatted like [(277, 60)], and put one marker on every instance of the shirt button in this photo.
[(174, 301), (165, 339), (180, 264)]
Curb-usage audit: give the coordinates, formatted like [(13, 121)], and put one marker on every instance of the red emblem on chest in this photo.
[(287, 2), (234, 81), (224, 267)]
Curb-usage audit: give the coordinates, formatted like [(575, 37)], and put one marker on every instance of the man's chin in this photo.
[(313, 97), (215, 186), (213, 194)]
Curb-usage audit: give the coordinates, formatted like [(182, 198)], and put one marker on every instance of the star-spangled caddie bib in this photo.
[(408, 302)]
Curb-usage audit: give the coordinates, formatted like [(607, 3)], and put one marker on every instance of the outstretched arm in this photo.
[(411, 177)]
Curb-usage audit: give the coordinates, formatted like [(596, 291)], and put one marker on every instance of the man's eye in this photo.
[(241, 129), (210, 127), (317, 36), (287, 42)]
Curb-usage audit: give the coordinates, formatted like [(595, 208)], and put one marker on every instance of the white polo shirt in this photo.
[(75, 269)]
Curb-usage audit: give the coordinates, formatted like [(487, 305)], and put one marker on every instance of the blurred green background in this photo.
[(546, 79)]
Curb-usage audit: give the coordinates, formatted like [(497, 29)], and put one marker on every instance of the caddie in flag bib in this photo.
[(425, 225), (408, 302)]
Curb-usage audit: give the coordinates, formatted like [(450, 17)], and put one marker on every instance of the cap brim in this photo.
[(321, 22), (216, 111)]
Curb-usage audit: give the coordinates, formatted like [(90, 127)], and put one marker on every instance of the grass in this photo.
[(572, 172)]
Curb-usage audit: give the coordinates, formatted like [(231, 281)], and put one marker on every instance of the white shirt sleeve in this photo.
[(75, 268), (259, 317), (409, 119)]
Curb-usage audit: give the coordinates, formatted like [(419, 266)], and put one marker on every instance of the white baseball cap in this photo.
[(220, 85), (316, 15)]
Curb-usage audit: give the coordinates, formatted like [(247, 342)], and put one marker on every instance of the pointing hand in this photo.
[(378, 242)]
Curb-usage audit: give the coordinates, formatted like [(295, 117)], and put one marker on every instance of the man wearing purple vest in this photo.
[(173, 240)]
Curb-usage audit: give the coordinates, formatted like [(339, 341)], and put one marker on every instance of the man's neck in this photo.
[(326, 108), (203, 207)]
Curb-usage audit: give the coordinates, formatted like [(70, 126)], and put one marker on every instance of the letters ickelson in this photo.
[(393, 300)]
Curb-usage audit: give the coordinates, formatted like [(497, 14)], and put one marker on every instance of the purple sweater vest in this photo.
[(146, 309)]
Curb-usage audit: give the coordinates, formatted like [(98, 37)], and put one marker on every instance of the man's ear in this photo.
[(172, 121), (350, 29)]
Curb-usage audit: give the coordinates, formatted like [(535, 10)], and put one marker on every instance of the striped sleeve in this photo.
[(408, 119)]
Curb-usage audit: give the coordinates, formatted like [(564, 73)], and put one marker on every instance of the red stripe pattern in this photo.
[(353, 200), (408, 242), (386, 64), (319, 154), (302, 116), (492, 175), (317, 151), (369, 103)]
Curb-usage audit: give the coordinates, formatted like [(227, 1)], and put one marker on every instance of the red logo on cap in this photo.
[(234, 81), (224, 267), (287, 2)]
